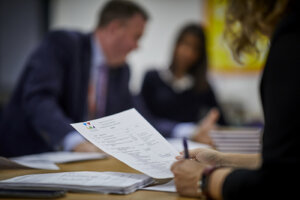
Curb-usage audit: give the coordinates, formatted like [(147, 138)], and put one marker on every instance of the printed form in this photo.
[(128, 137)]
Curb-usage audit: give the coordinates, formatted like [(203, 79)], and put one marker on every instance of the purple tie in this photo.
[(101, 90)]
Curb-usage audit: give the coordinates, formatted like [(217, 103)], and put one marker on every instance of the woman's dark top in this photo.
[(185, 106), (279, 174)]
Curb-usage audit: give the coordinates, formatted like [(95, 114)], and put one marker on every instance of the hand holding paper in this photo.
[(128, 137)]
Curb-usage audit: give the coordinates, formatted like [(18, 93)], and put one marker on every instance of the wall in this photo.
[(22, 26)]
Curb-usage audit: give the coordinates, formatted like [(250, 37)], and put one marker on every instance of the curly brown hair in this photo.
[(248, 20)]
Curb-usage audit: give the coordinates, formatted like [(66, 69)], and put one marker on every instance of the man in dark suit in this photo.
[(72, 77)]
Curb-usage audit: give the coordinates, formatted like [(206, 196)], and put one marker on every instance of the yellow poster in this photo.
[(220, 59)]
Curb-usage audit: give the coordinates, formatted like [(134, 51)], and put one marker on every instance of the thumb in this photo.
[(193, 152), (211, 118), (213, 115)]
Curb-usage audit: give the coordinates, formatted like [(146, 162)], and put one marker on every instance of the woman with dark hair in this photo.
[(274, 173), (182, 93)]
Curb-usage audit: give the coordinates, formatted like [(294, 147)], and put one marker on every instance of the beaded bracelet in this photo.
[(205, 180)]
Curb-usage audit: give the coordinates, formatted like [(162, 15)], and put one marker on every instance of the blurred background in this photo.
[(24, 23)]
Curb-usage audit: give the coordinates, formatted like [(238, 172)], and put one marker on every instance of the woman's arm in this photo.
[(251, 161), (216, 181)]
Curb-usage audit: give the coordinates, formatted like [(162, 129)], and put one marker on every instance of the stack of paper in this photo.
[(237, 140), (83, 181)]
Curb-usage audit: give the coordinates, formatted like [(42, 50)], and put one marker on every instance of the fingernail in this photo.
[(179, 157)]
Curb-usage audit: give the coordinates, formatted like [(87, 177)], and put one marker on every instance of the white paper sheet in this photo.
[(11, 164), (128, 137), (61, 156), (37, 164), (177, 144), (167, 187)]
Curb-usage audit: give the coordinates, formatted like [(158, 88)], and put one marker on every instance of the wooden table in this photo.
[(109, 164)]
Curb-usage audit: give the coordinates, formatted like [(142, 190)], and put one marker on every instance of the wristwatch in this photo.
[(205, 180)]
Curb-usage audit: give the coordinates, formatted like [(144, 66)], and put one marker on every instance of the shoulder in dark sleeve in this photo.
[(152, 74), (150, 78)]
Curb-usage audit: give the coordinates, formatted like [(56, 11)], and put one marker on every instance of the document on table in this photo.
[(167, 187), (47, 160), (81, 181), (61, 156), (128, 137), (177, 144), (15, 164)]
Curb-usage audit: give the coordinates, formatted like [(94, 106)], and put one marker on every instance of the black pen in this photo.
[(186, 150)]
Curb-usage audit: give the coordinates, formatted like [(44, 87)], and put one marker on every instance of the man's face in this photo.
[(126, 36)]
